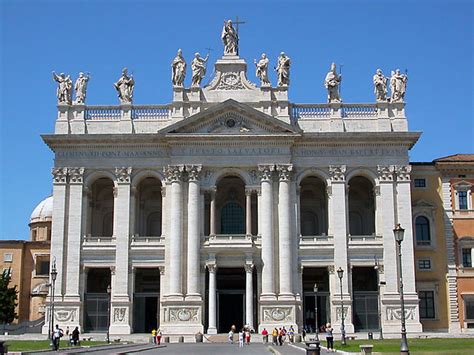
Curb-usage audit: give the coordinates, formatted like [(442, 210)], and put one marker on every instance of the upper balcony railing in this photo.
[(315, 111), (143, 112)]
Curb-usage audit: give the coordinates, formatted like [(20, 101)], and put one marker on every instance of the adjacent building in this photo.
[(457, 176), (28, 262)]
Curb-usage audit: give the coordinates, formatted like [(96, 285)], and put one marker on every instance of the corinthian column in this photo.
[(284, 227), (212, 329), (268, 275), (194, 229), (174, 176), (212, 219), (249, 294)]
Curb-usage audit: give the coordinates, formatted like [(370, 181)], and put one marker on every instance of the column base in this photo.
[(66, 314), (212, 330), (119, 329), (193, 297), (268, 297), (286, 297), (174, 297), (392, 315)]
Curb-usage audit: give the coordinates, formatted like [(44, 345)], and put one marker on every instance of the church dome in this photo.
[(43, 212)]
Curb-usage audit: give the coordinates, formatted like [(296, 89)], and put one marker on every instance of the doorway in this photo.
[(366, 299), (230, 284), (146, 300), (96, 300), (320, 277)]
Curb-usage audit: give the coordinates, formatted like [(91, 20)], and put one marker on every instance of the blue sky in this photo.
[(433, 40)]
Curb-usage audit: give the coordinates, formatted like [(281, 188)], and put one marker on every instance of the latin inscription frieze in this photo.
[(229, 151), (112, 154), (331, 152)]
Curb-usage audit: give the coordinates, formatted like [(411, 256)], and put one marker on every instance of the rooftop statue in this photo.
[(262, 70), (178, 69), (283, 69), (398, 86), (198, 66), (81, 88), (230, 39), (64, 90), (380, 86), (124, 87), (332, 83)]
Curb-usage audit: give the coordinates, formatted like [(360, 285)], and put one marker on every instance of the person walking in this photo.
[(159, 334), (303, 333), (291, 334), (265, 335), (329, 337), (230, 337), (153, 335), (57, 335), (275, 336), (241, 338), (75, 336), (247, 336)]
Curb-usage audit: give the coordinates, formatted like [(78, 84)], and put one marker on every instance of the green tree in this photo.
[(8, 298)]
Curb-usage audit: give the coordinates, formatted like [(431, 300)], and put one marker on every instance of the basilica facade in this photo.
[(231, 205)]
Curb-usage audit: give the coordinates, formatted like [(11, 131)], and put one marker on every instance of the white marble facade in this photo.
[(229, 138)]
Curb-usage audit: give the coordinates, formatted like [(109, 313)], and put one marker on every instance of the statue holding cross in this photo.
[(230, 38)]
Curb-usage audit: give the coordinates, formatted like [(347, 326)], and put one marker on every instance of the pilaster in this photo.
[(62, 121), (74, 233), (120, 296), (338, 217)]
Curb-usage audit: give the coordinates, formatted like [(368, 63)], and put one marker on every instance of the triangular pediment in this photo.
[(423, 204), (231, 118)]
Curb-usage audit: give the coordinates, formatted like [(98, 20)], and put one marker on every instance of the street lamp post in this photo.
[(398, 233), (340, 274), (315, 289), (108, 313), (54, 274), (379, 284)]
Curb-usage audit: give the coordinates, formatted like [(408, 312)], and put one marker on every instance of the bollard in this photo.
[(313, 348), (370, 335)]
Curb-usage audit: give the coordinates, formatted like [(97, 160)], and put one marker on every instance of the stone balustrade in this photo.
[(341, 110), (102, 113), (231, 240)]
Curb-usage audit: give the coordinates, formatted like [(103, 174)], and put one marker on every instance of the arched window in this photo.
[(232, 219), (423, 235), (154, 225), (309, 223)]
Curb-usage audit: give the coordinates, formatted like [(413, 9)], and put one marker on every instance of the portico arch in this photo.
[(100, 207), (219, 175), (313, 206), (361, 206), (148, 206)]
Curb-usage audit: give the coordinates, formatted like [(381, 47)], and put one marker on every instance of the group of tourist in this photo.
[(156, 336), (58, 333)]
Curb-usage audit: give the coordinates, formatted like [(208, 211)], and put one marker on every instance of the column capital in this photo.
[(385, 173), (194, 172), (249, 191), (174, 173), (403, 173), (211, 267), (337, 173), (331, 269), (59, 175), (123, 175), (266, 172), (248, 268), (76, 175), (285, 171), (162, 270)]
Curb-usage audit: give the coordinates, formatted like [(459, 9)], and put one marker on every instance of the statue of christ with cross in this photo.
[(230, 37)]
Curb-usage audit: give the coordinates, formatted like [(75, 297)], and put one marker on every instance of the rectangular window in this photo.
[(42, 265), (466, 257), (469, 308), (427, 310), (462, 196), (7, 257), (424, 264), (420, 182)]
